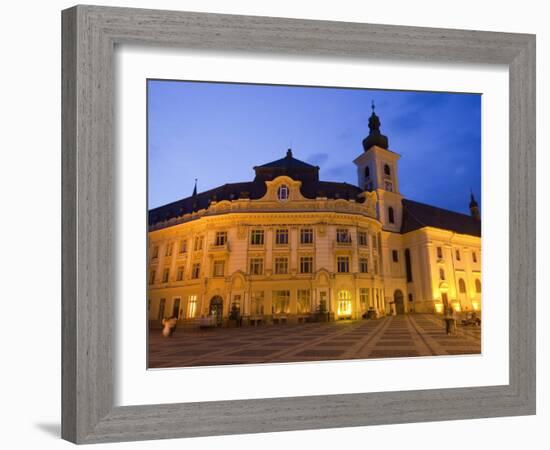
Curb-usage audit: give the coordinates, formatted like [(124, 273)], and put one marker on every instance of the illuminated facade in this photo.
[(287, 246)]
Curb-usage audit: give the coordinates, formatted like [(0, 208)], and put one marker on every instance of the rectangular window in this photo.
[(281, 266), (364, 298), (374, 241), (256, 266), (362, 238), (192, 306), (169, 248), (183, 246), (196, 272), (343, 264), (281, 302), (162, 305), (281, 236), (389, 186), (306, 264), (176, 307), (303, 301), (257, 303), (219, 268), (198, 243), (180, 272), (408, 267), (458, 255), (395, 256), (363, 265), (152, 276), (441, 274), (306, 236), (474, 257), (221, 238), (155, 254), (343, 236), (439, 253), (165, 275), (257, 237)]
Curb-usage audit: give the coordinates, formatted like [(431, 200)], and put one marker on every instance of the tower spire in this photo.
[(474, 207), (374, 137), (195, 199)]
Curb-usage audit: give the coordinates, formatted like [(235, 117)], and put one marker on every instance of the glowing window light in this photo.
[(439, 308), (344, 308), (192, 306), (475, 305), (344, 303), (456, 307)]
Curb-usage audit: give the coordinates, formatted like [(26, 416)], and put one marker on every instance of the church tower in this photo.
[(377, 171), (474, 207)]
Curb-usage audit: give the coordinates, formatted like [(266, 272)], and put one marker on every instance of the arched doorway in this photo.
[(398, 300), (216, 309)]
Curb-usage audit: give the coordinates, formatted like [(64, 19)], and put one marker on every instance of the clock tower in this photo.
[(377, 171)]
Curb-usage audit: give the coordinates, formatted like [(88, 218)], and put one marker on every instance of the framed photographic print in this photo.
[(301, 224)]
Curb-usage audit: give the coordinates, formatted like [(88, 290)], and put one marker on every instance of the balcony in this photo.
[(342, 243), (182, 255), (219, 248)]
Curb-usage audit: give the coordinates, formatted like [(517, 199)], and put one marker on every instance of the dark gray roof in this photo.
[(418, 215), (288, 166), (253, 190), (228, 191), (288, 161)]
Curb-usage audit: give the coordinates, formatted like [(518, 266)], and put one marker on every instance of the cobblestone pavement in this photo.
[(391, 337)]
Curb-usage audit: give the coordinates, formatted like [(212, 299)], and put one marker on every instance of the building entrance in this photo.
[(398, 300), (216, 309)]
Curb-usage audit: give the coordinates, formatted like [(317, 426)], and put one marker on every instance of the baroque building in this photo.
[(288, 245)]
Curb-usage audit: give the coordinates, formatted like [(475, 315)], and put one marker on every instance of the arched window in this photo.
[(478, 286), (461, 286), (367, 172), (387, 170), (391, 219), (282, 193)]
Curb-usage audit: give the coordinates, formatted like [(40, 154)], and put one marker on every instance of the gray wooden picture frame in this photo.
[(90, 34)]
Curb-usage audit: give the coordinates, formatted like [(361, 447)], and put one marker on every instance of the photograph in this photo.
[(275, 224), (304, 224)]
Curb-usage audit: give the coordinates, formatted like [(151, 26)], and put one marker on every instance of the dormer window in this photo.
[(282, 193)]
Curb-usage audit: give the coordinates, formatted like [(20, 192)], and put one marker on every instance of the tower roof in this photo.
[(375, 137), (473, 203), (288, 161), (290, 166)]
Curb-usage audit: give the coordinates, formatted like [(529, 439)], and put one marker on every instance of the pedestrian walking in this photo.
[(169, 326), (450, 322)]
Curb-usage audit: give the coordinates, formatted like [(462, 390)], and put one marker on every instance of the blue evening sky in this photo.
[(217, 132)]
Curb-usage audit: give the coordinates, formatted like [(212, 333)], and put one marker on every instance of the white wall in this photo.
[(30, 224)]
